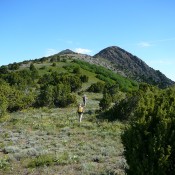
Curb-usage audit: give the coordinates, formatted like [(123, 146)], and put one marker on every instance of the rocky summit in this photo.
[(133, 67)]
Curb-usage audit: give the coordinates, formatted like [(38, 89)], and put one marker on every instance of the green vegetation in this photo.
[(149, 139), (4, 163), (39, 83), (127, 127), (108, 76), (40, 131), (97, 87)]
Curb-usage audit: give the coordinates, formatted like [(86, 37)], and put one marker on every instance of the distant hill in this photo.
[(133, 67), (116, 59), (67, 51)]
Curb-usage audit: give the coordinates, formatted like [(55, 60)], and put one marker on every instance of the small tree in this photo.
[(3, 70), (96, 87), (3, 105), (45, 97), (34, 71), (105, 102), (76, 70), (84, 78), (5, 93), (13, 66), (54, 64), (62, 96)]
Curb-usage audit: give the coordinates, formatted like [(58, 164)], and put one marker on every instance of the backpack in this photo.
[(80, 109)]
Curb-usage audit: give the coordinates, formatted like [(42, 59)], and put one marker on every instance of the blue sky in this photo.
[(31, 29)]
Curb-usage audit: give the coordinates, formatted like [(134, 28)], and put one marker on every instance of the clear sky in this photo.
[(31, 29)]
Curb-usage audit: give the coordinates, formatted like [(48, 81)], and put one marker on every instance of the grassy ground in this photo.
[(51, 141)]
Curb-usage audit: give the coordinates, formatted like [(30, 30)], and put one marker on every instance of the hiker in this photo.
[(80, 112), (84, 99)]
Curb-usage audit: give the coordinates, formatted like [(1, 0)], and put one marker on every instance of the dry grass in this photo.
[(51, 141)]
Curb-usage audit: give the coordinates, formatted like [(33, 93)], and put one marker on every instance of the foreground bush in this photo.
[(149, 139)]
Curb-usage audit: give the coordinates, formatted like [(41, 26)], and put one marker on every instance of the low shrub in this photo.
[(4, 163), (96, 87), (42, 160)]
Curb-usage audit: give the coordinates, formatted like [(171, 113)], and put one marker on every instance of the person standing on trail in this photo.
[(80, 111), (84, 99)]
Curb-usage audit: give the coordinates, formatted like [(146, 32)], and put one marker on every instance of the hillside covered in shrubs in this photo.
[(52, 83), (128, 126)]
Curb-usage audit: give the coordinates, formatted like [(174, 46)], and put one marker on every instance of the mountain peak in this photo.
[(66, 51), (112, 50), (133, 66)]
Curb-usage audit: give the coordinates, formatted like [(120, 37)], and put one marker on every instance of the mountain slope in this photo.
[(133, 67)]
